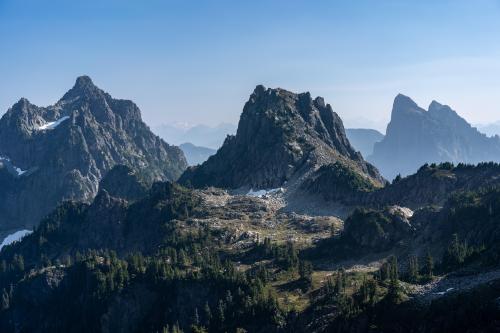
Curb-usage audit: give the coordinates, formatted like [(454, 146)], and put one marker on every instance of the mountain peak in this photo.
[(281, 136), (416, 136), (104, 132), (259, 89), (84, 84), (23, 103), (403, 102), (84, 81), (436, 107), (403, 107), (83, 87)]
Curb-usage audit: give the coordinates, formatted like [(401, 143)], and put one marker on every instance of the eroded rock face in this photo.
[(282, 137), (415, 136), (61, 152)]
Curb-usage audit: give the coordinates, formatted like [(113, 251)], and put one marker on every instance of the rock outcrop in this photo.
[(378, 230), (61, 152), (123, 182)]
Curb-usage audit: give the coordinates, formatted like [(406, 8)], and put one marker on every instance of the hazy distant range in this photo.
[(489, 129), (198, 135), (199, 142)]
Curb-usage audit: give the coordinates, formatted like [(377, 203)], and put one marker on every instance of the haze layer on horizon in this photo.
[(197, 62)]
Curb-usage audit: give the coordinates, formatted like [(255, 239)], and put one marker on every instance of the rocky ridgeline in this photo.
[(282, 139), (431, 185), (61, 152)]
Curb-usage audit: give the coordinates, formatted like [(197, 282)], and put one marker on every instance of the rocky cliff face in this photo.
[(56, 153), (415, 136), (282, 139)]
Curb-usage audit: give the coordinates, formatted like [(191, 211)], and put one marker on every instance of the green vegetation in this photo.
[(161, 270), (184, 277), (336, 181)]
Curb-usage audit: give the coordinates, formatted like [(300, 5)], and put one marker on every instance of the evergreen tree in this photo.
[(394, 289), (429, 265), (18, 262), (455, 254), (305, 271), (394, 272), (413, 270), (220, 312), (196, 317), (207, 313)]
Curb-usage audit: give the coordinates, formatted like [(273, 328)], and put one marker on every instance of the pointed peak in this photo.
[(23, 102), (436, 106), (403, 103), (404, 100), (22, 105), (83, 81), (83, 87), (84, 84)]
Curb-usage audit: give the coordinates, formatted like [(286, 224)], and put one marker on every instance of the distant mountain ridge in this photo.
[(491, 129), (60, 152), (196, 154), (363, 139), (198, 135), (415, 136), (282, 139)]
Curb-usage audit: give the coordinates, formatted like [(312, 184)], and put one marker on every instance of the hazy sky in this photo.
[(198, 61)]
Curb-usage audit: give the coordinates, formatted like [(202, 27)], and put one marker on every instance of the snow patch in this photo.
[(53, 124), (15, 237), (441, 293), (17, 170), (264, 193)]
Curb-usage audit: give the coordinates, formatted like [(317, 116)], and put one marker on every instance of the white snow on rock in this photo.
[(17, 170), (15, 237), (441, 293), (264, 193), (52, 124)]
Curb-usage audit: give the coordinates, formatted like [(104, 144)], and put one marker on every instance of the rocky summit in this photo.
[(282, 139), (415, 136), (56, 153)]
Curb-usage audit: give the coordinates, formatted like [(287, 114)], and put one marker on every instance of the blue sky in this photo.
[(198, 61)]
